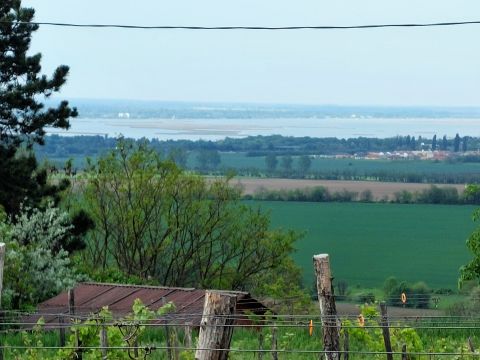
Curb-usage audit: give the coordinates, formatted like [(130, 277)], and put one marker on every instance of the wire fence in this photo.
[(307, 330)]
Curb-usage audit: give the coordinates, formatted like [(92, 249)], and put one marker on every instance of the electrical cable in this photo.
[(266, 28)]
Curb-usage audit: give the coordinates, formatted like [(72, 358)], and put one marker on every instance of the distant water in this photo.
[(216, 121), (214, 129)]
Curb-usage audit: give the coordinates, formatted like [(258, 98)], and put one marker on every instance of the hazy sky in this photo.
[(422, 66)]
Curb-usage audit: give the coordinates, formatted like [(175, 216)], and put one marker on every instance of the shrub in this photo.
[(36, 267)]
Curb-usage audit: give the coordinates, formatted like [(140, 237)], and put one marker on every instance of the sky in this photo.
[(419, 67)]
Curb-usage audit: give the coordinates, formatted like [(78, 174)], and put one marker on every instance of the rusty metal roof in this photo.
[(91, 297)]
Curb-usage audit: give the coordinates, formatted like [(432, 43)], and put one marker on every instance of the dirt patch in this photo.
[(353, 309), (380, 190)]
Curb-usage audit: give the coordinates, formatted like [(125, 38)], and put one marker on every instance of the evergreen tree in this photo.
[(22, 116), (444, 145), (408, 142), (413, 143), (456, 143), (464, 143), (434, 143)]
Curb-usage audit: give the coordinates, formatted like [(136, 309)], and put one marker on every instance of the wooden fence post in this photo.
[(404, 352), (188, 335), (386, 331), (346, 344), (260, 344), (328, 310), (470, 345), (2, 262), (174, 342), (103, 342), (71, 302), (274, 343), (61, 330), (216, 327), (167, 333), (71, 311)]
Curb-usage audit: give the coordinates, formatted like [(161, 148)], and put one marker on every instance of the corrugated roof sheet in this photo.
[(119, 298)]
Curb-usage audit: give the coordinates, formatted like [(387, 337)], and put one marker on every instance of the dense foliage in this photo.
[(280, 160), (155, 221), (37, 266), (254, 145), (432, 195), (23, 117)]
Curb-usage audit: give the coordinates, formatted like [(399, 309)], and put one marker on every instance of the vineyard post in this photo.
[(260, 344), (61, 330), (470, 345), (404, 352), (345, 344), (71, 311), (103, 341), (274, 343), (2, 262), (174, 341), (386, 331), (188, 334), (328, 310), (167, 333), (216, 326), (71, 302)]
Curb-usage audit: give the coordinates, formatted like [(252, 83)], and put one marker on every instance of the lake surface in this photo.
[(214, 121), (215, 129)]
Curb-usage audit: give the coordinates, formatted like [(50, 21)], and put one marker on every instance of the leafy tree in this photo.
[(366, 196), (472, 194), (208, 159), (22, 116), (287, 163), (156, 222), (304, 163), (271, 162), (179, 156), (36, 266), (471, 271), (434, 142), (456, 143), (417, 295)]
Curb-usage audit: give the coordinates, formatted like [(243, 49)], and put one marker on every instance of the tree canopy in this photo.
[(23, 115), (154, 221), (471, 271)]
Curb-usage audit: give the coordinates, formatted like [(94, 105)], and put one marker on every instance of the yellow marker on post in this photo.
[(361, 320), (310, 327)]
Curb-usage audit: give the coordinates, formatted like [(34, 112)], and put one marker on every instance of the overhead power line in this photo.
[(267, 28)]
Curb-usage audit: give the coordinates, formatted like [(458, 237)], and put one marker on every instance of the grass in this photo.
[(289, 338), (369, 242)]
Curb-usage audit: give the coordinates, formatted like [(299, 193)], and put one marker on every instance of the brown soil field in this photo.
[(380, 190), (353, 309)]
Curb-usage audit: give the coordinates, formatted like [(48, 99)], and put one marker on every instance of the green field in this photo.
[(239, 160), (370, 242)]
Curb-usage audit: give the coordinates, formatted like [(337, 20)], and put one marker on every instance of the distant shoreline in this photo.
[(220, 128)]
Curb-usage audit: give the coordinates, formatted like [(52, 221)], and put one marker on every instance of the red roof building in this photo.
[(91, 297)]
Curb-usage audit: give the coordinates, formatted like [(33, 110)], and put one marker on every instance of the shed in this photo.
[(91, 297)]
